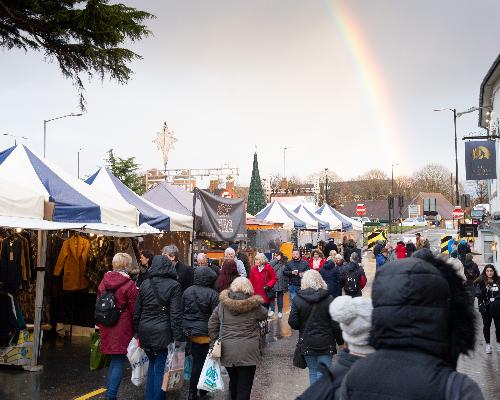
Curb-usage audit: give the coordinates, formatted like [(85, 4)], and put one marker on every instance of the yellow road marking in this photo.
[(91, 394)]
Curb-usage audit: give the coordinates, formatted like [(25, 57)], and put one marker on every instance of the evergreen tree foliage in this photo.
[(126, 170), (256, 196), (83, 36)]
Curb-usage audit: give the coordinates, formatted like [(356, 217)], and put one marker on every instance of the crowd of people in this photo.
[(383, 343)]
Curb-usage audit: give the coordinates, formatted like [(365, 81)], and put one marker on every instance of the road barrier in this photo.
[(444, 243), (375, 236)]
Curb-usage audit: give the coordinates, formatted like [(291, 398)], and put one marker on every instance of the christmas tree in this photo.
[(256, 197)]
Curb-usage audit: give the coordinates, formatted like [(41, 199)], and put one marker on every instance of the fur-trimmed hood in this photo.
[(239, 303)]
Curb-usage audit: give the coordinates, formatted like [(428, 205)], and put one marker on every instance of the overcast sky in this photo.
[(348, 85)]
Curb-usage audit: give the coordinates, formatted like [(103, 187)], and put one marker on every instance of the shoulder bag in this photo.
[(216, 350), (270, 293), (299, 360)]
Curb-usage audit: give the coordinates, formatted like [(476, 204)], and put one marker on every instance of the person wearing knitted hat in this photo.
[(354, 314)]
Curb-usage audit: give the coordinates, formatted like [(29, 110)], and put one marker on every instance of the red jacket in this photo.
[(115, 339), (400, 251), (321, 263), (259, 279)]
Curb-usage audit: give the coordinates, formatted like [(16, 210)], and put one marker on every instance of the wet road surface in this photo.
[(66, 374)]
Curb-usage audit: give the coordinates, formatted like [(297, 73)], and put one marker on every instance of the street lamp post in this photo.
[(455, 116), (15, 137), (326, 185), (284, 162), (391, 210), (45, 129), (78, 161)]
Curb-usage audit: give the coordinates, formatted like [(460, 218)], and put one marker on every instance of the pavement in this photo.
[(66, 374)]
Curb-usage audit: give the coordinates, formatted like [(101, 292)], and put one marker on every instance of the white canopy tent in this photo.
[(276, 212)]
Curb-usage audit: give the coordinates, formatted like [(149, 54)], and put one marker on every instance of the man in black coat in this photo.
[(198, 303), (330, 246), (158, 316), (185, 273), (422, 321), (294, 271), (331, 275), (353, 277)]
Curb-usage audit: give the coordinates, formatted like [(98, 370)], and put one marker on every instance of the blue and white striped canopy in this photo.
[(276, 212), (103, 180), (75, 201), (311, 218), (328, 213)]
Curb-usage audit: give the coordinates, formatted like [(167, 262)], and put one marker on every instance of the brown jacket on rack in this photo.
[(73, 259)]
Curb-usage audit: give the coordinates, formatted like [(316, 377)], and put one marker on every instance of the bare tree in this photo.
[(333, 186), (372, 185), (481, 192), (434, 178)]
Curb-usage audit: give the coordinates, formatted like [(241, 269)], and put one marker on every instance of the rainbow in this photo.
[(372, 78)]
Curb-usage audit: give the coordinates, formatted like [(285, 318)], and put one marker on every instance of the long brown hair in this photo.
[(227, 275), (484, 278)]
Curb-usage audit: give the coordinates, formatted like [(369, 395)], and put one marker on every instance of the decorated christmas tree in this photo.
[(256, 197)]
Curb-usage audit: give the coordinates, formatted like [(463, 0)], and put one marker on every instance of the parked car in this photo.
[(361, 219), (418, 221)]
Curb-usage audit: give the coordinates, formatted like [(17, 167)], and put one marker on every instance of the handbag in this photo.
[(269, 291), (216, 350), (299, 360), (97, 359)]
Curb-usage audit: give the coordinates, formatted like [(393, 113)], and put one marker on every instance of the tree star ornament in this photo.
[(165, 140)]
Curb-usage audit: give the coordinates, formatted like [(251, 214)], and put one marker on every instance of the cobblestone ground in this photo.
[(66, 374)]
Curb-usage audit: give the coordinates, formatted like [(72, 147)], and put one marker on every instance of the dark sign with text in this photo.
[(222, 220), (480, 160)]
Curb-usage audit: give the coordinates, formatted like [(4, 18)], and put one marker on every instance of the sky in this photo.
[(345, 85)]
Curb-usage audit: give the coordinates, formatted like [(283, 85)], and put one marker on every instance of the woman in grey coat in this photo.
[(236, 319), (279, 264)]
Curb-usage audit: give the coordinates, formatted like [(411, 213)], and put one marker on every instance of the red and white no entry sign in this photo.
[(458, 213), (360, 210)]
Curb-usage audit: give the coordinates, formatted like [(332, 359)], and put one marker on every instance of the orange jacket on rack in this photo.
[(73, 259)]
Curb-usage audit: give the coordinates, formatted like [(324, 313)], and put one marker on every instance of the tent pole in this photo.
[(40, 280), (193, 233)]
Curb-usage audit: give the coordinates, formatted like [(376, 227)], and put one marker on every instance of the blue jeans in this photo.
[(279, 299), (155, 375), (313, 365), (293, 290), (115, 374)]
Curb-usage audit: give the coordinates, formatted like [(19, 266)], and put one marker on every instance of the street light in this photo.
[(455, 116), (392, 177), (15, 137), (326, 185), (78, 161), (45, 128), (284, 160)]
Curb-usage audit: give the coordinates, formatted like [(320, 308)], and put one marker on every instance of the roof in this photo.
[(172, 198), (486, 90), (443, 205), (374, 208)]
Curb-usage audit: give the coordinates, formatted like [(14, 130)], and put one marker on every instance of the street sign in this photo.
[(458, 213), (413, 210), (360, 210)]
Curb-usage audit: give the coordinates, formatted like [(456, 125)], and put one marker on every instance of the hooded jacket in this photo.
[(321, 332), (158, 321), (239, 315), (331, 275), (299, 265), (199, 301), (400, 250), (353, 268), (261, 279), (115, 339), (418, 331)]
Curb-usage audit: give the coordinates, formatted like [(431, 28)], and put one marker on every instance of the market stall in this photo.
[(48, 199)]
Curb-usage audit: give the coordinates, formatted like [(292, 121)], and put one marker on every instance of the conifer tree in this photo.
[(256, 197)]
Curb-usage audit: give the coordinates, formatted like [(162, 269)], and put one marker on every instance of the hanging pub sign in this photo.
[(223, 219), (480, 160)]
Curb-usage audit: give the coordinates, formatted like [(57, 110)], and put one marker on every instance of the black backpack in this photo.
[(106, 313), (352, 281)]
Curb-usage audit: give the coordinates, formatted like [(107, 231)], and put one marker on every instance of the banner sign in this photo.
[(222, 220), (480, 160)]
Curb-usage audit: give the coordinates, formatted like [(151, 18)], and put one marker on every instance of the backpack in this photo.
[(106, 313), (352, 281)]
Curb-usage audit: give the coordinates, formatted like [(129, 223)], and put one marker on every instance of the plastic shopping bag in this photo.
[(139, 362), (210, 377), (97, 359), (188, 367), (173, 379)]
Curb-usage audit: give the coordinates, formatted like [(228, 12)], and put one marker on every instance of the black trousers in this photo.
[(241, 381), (199, 353), (487, 318)]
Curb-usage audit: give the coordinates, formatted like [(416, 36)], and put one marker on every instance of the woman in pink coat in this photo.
[(115, 339), (262, 276)]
